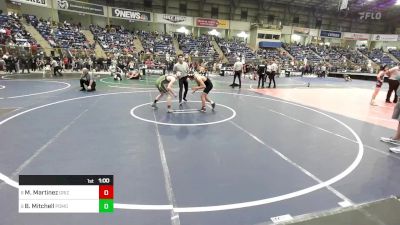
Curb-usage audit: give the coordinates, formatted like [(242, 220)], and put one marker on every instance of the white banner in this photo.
[(173, 19), (356, 36), (314, 32), (301, 30), (42, 3), (287, 30), (239, 25), (384, 37), (130, 14)]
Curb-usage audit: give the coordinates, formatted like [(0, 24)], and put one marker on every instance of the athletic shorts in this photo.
[(161, 88), (379, 84), (396, 111), (208, 88)]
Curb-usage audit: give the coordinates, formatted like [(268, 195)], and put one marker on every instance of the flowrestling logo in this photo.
[(63, 4), (130, 14), (370, 15)]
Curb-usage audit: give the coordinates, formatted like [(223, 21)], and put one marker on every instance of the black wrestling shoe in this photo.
[(213, 105), (83, 89)]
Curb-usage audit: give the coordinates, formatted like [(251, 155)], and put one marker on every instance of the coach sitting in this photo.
[(88, 79)]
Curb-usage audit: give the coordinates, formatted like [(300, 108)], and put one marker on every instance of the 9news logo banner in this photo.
[(130, 14)]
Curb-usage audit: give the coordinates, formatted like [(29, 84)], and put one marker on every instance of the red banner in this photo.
[(204, 22)]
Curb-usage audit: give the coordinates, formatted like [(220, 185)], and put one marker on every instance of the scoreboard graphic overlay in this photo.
[(66, 194)]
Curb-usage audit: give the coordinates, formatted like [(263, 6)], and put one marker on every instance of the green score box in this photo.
[(106, 205)]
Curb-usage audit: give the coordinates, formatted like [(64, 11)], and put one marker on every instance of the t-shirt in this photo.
[(394, 73), (238, 66), (274, 67), (269, 68), (54, 63), (261, 69), (88, 77), (183, 68)]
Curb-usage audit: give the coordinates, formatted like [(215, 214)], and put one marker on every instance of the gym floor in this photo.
[(310, 145)]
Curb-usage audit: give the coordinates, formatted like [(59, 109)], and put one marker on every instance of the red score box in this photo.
[(106, 192)]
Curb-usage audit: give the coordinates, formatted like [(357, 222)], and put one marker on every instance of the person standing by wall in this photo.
[(238, 70), (261, 70), (274, 69), (56, 67)]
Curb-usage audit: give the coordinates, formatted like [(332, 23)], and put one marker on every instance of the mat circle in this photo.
[(134, 115)]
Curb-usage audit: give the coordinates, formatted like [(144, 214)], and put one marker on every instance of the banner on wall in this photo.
[(384, 37), (286, 30), (239, 25), (173, 19), (42, 3), (214, 23), (356, 36), (301, 30), (330, 34), (80, 7), (130, 14), (314, 32)]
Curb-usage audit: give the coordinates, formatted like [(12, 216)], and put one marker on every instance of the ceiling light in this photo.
[(214, 32), (242, 34)]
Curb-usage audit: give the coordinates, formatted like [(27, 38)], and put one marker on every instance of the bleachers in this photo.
[(378, 56), (117, 39), (114, 38), (12, 31), (62, 36), (156, 43), (274, 54), (395, 53), (43, 27), (300, 52), (198, 47), (333, 55), (235, 48)]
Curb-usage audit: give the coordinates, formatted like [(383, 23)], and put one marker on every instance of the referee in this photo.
[(238, 70), (261, 69), (271, 76), (183, 68)]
